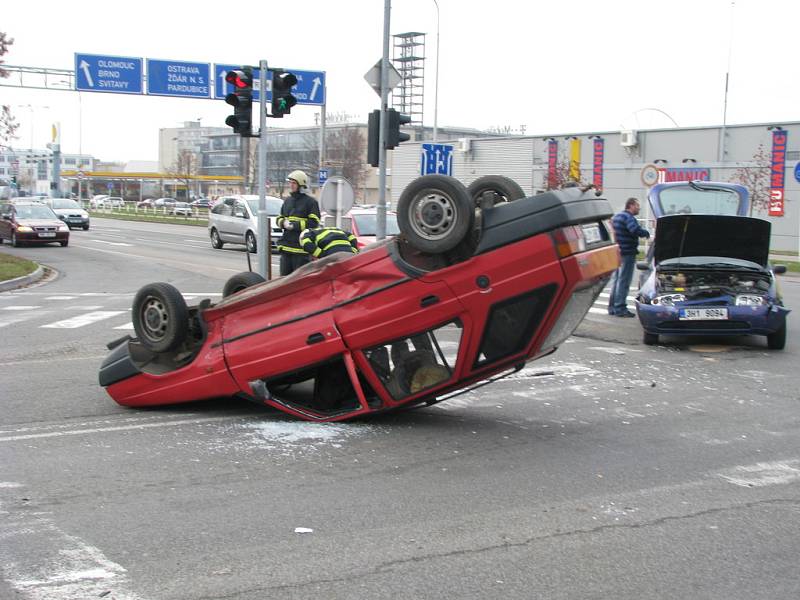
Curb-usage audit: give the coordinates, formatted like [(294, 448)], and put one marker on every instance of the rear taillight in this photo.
[(569, 240)]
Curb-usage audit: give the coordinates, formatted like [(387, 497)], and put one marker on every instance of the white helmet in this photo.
[(298, 177)]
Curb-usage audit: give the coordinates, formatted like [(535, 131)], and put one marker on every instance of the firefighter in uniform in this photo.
[(324, 241), (299, 211)]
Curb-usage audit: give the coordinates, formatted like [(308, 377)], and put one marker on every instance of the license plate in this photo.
[(592, 234), (703, 314), (47, 234)]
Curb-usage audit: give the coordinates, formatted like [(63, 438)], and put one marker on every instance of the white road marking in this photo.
[(83, 320), (19, 318), (20, 307), (81, 307), (91, 430), (112, 243), (61, 298), (599, 311), (763, 474), (127, 326)]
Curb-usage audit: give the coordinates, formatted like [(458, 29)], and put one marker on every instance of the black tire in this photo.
[(435, 213), (86, 228), (241, 281), (250, 242), (777, 340), (650, 339), (160, 317), (14, 241), (64, 244), (216, 241), (498, 189)]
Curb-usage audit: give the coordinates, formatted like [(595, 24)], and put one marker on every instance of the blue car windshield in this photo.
[(686, 200)]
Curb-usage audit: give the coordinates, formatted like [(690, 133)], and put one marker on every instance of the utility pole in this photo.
[(380, 232), (262, 243)]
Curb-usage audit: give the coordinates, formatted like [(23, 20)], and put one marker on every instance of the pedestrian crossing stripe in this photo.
[(82, 320)]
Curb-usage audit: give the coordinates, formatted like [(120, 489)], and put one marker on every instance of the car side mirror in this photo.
[(779, 269), (643, 266)]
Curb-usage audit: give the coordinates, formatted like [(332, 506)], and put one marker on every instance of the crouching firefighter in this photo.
[(299, 211), (324, 241)]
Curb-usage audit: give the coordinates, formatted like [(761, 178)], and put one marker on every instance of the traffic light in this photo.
[(242, 101), (282, 99), (393, 134), (373, 143)]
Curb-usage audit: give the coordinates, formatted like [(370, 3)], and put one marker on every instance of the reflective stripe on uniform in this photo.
[(334, 243), (291, 249)]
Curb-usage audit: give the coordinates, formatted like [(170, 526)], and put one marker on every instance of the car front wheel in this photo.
[(160, 317), (241, 281), (216, 242), (250, 242), (435, 213), (650, 339), (14, 240), (777, 340)]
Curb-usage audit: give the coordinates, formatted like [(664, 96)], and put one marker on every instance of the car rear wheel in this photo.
[(160, 317), (250, 242), (14, 241), (490, 190), (650, 339), (435, 213), (216, 241), (777, 340), (241, 281)]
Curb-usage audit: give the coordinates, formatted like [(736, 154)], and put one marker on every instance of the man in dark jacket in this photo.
[(627, 231), (324, 241), (299, 211)]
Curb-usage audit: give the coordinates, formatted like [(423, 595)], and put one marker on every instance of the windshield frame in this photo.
[(21, 209)]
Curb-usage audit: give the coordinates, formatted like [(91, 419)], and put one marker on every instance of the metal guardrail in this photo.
[(130, 209)]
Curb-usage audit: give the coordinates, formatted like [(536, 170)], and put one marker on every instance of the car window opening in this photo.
[(411, 364)]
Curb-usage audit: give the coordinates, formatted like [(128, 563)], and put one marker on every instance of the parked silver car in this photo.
[(234, 219)]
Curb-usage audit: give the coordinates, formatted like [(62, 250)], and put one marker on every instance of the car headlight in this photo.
[(84, 215), (63, 228), (668, 299), (750, 300), (24, 228)]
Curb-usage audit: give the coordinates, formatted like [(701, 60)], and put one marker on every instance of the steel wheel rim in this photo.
[(154, 318), (215, 237), (250, 241), (432, 214)]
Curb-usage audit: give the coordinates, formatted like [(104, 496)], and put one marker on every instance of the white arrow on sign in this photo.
[(314, 89), (85, 66), (222, 81)]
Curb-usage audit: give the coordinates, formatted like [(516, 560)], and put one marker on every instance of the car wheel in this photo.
[(64, 243), (160, 317), (250, 242), (241, 281), (86, 228), (14, 241), (489, 190), (777, 340), (650, 339), (216, 242), (435, 213)]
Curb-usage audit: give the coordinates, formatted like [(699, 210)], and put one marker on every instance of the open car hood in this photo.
[(744, 238)]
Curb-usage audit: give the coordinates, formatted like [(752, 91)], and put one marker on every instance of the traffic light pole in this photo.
[(262, 247), (380, 229)]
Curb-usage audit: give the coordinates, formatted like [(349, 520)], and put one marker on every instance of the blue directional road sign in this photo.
[(310, 88), (178, 78), (323, 176), (115, 74)]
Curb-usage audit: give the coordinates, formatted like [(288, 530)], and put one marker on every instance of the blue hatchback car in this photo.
[(708, 270)]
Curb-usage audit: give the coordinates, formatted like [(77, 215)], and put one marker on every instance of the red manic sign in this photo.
[(683, 174), (552, 164), (777, 173), (598, 164)]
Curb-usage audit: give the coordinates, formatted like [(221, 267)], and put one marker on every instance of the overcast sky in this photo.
[(554, 67)]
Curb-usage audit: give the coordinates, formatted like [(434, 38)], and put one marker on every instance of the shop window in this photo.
[(415, 363), (512, 323)]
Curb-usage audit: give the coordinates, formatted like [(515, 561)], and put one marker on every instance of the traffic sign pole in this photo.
[(380, 228), (264, 262)]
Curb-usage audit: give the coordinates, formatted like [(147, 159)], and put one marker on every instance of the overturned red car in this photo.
[(480, 281)]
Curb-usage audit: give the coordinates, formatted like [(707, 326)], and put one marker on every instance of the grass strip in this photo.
[(12, 267)]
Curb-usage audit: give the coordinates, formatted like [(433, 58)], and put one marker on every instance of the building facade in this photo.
[(622, 162)]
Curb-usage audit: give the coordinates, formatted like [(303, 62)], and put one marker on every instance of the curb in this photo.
[(17, 282)]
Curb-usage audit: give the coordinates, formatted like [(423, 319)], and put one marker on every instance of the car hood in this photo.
[(744, 238), (40, 222)]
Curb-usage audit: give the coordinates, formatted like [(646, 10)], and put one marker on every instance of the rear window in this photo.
[(686, 200)]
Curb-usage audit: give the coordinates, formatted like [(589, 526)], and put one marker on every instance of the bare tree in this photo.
[(184, 169), (756, 178), (8, 124), (345, 150)]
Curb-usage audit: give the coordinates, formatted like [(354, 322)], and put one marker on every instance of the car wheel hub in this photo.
[(433, 215), (155, 319)]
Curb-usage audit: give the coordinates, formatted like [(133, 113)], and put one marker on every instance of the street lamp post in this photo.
[(436, 85)]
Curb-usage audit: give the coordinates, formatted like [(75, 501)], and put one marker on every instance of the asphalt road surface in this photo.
[(608, 470)]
